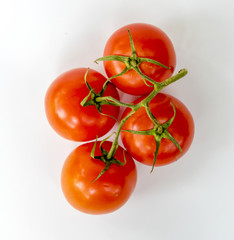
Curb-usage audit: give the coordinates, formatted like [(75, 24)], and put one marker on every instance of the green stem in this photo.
[(174, 78), (115, 142), (148, 98), (112, 101), (143, 103)]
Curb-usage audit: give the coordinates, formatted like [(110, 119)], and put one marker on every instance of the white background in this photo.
[(190, 199)]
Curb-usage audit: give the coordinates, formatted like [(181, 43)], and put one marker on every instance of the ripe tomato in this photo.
[(142, 147), (150, 42), (64, 112), (107, 193)]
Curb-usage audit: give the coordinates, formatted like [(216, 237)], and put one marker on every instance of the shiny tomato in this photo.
[(65, 113), (107, 193), (142, 147), (150, 42)]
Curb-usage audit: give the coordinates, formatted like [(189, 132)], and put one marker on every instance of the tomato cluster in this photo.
[(99, 176)]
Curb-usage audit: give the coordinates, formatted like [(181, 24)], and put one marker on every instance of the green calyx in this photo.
[(104, 157), (159, 131), (92, 97), (132, 62)]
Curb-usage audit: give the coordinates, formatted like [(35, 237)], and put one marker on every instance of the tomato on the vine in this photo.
[(65, 113), (150, 42), (142, 147), (107, 193)]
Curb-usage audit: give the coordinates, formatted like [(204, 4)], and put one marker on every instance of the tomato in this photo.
[(65, 113), (150, 42), (107, 193), (142, 147)]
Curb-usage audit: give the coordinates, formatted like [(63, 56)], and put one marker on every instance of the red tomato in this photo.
[(142, 147), (64, 112), (106, 194), (150, 42)]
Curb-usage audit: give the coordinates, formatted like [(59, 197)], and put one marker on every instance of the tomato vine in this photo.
[(159, 131), (82, 105)]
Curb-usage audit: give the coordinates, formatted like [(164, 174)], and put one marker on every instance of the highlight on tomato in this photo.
[(142, 147), (109, 192), (151, 55), (65, 113)]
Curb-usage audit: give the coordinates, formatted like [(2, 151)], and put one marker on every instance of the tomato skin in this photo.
[(142, 147), (64, 112), (149, 42), (106, 194)]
